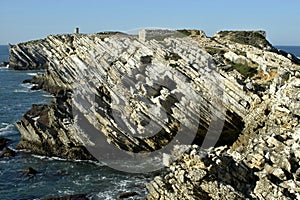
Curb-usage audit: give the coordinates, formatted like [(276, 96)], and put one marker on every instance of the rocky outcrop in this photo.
[(198, 83), (4, 64), (7, 153), (26, 56), (204, 174), (30, 171), (32, 55), (71, 54), (46, 130), (253, 38), (263, 163), (3, 142), (126, 195)]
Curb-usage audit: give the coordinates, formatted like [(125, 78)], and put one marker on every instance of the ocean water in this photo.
[(57, 177), (290, 49), (4, 53)]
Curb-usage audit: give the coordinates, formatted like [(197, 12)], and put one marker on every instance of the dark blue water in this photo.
[(57, 177), (290, 49), (4, 53)]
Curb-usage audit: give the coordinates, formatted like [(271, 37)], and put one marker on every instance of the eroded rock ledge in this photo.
[(259, 151)]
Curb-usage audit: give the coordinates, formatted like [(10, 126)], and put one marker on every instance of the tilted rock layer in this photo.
[(259, 151)]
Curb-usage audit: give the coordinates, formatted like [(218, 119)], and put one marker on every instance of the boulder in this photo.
[(29, 171), (4, 64), (7, 153), (126, 195), (3, 142)]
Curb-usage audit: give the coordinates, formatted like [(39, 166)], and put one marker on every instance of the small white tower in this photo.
[(142, 35), (76, 30)]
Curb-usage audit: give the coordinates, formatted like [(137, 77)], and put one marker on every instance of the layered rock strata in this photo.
[(124, 58), (259, 90), (264, 162)]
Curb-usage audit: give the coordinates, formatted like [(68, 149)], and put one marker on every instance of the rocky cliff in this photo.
[(25, 56), (233, 91)]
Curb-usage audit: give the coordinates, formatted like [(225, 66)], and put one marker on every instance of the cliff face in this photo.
[(46, 130), (264, 162), (26, 56), (173, 69), (195, 82)]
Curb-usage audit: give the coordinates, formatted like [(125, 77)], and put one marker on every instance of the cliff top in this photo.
[(254, 38)]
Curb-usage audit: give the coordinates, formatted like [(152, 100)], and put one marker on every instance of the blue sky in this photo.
[(23, 20)]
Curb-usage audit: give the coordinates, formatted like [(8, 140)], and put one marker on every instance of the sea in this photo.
[(56, 177), (290, 49)]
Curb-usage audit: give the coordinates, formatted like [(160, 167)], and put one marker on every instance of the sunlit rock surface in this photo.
[(139, 95)]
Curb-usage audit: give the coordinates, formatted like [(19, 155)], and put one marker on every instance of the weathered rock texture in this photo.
[(113, 63), (264, 162), (26, 56), (204, 174), (46, 130), (259, 154)]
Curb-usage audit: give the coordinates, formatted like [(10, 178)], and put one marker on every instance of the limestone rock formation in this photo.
[(204, 174), (46, 130), (122, 59), (265, 154), (237, 77), (25, 56)]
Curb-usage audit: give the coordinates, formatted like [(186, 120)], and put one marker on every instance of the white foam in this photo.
[(48, 95), (63, 159), (27, 85), (21, 90), (23, 150), (48, 158), (5, 124), (40, 157), (104, 195), (6, 67), (3, 161), (32, 74), (7, 129)]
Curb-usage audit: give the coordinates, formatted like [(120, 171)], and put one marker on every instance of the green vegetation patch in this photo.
[(245, 70), (286, 76), (214, 50), (189, 32), (253, 38)]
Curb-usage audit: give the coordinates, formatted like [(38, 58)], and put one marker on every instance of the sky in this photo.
[(23, 20)]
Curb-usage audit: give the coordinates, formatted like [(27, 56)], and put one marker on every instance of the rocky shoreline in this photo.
[(258, 153)]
